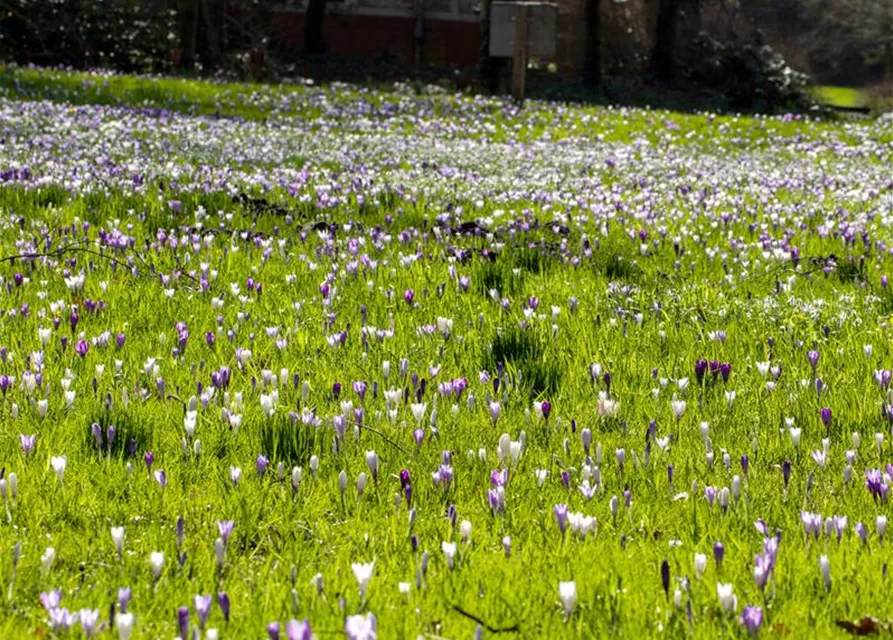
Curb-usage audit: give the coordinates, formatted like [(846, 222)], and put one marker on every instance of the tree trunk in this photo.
[(488, 75), (188, 15), (592, 66), (664, 41), (314, 19)]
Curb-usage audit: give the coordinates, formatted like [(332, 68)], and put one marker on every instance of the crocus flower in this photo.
[(89, 619), (567, 592), (361, 627), (27, 443), (124, 594), (224, 604), (727, 599), (363, 573), (752, 619), (156, 562), (59, 463), (183, 621), (825, 566), (124, 624), (261, 463), (295, 630), (560, 511), (825, 414), (202, 609)]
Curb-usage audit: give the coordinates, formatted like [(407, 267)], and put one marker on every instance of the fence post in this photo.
[(519, 53)]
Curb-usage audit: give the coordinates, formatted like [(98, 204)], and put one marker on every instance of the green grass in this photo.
[(625, 238), (843, 96)]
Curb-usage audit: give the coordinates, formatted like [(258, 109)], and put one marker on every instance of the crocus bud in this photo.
[(156, 562), (825, 566), (220, 552), (361, 484), (118, 541)]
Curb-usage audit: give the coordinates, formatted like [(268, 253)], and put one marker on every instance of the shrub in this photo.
[(748, 76), (126, 35)]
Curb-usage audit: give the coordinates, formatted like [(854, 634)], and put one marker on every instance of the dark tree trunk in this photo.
[(188, 15), (314, 19), (487, 71), (592, 67), (665, 40)]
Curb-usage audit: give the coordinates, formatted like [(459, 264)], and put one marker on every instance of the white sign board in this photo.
[(542, 22)]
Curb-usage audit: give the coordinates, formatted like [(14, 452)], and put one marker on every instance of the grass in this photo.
[(467, 262)]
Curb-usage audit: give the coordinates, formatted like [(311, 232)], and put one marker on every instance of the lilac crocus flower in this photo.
[(361, 627), (61, 619), (124, 595), (752, 619), (89, 618), (262, 463), (560, 511), (161, 478), (27, 443), (225, 528), (295, 630), (202, 609)]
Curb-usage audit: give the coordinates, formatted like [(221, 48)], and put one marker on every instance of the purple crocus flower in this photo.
[(725, 369), (719, 552), (96, 430), (813, 357), (224, 604), (700, 369), (665, 577), (81, 348), (183, 621), (546, 409), (826, 416), (149, 458)]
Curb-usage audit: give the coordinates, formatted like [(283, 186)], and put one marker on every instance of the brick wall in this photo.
[(445, 41)]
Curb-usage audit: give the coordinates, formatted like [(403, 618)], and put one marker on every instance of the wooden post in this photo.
[(519, 53)]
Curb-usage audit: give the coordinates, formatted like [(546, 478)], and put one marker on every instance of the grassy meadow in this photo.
[(289, 360)]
